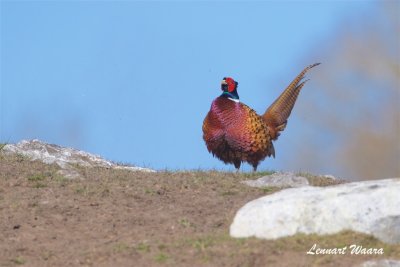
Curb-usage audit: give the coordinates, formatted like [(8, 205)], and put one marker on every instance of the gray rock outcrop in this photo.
[(279, 179), (64, 157)]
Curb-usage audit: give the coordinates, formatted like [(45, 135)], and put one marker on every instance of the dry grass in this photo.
[(120, 218), (318, 180)]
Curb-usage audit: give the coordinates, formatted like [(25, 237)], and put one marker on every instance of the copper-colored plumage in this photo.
[(235, 133)]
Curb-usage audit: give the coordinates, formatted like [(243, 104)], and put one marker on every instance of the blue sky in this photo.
[(133, 81)]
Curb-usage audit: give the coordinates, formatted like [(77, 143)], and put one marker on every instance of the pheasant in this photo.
[(235, 133)]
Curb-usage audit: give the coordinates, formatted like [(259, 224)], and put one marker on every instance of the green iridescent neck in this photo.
[(232, 95)]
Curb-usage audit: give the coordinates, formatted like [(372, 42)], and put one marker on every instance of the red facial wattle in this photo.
[(231, 84)]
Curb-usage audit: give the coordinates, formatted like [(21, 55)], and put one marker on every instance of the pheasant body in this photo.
[(235, 133)]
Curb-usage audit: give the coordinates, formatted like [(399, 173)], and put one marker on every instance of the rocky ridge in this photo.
[(66, 158)]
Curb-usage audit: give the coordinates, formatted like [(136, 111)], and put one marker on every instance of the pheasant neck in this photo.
[(231, 96)]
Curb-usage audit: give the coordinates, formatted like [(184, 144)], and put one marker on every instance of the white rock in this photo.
[(278, 179), (330, 176), (380, 263), (64, 157), (371, 207)]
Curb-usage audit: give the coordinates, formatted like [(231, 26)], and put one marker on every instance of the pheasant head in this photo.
[(229, 89)]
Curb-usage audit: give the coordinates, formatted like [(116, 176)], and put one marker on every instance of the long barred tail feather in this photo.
[(277, 114)]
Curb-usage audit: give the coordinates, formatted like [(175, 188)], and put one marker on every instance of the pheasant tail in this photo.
[(277, 114)]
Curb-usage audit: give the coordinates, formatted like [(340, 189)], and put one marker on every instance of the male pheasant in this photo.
[(235, 133)]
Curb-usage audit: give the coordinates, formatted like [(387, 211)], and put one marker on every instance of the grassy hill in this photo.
[(122, 218)]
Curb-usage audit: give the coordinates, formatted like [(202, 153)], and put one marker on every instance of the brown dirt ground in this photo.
[(121, 218)]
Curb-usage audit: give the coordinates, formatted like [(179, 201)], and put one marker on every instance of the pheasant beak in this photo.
[(224, 82)]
